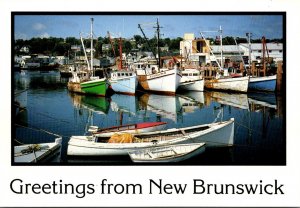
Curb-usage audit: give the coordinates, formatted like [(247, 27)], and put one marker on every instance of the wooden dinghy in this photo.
[(166, 154), (213, 134), (130, 128), (37, 153)]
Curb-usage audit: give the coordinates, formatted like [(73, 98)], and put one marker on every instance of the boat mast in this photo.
[(249, 47), (92, 64), (220, 30), (158, 34), (120, 51), (86, 58), (207, 43), (147, 41)]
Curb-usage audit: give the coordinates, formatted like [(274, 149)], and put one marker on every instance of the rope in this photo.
[(38, 129)]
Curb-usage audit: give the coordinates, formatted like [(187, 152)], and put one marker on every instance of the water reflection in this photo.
[(237, 100), (162, 105), (259, 130)]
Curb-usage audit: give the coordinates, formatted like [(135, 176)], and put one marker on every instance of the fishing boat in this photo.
[(158, 79), (191, 80), (237, 84), (129, 128), (213, 134), (223, 80), (124, 82), (167, 154), (265, 83), (37, 153), (88, 83)]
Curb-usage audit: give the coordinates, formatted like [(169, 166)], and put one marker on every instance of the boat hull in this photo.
[(124, 85), (218, 134), (164, 82), (167, 154), (94, 87), (49, 152), (239, 84), (131, 129), (194, 85), (267, 83)]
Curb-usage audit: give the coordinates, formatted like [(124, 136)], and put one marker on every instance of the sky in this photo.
[(126, 26)]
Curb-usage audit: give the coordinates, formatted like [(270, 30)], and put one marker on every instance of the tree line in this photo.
[(53, 46)]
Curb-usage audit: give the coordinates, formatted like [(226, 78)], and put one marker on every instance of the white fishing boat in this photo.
[(162, 81), (237, 84), (191, 80), (37, 153), (167, 154), (129, 128), (124, 82), (213, 134), (157, 79)]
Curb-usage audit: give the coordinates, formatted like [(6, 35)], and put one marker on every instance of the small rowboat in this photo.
[(130, 128), (38, 153), (169, 153)]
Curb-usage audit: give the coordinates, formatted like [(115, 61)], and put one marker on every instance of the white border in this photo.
[(288, 175)]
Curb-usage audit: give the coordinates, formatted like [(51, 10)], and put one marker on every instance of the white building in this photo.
[(199, 51), (275, 51)]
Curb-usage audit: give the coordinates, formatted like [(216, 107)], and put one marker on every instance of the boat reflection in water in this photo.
[(124, 103), (164, 106), (191, 101), (238, 100), (267, 99), (99, 105)]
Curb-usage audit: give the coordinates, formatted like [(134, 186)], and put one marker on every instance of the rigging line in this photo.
[(52, 118), (252, 130), (38, 129)]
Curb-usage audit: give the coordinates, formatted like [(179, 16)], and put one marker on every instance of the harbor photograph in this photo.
[(151, 88)]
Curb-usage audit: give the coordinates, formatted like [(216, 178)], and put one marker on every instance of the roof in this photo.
[(258, 46), (226, 48)]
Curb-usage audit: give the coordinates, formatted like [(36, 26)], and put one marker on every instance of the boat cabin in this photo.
[(121, 74)]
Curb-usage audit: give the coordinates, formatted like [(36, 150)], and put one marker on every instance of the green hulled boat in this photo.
[(95, 87)]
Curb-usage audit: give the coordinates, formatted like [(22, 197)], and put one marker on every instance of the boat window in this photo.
[(126, 74), (139, 66), (195, 74), (122, 74), (184, 74), (190, 74), (118, 74), (130, 74)]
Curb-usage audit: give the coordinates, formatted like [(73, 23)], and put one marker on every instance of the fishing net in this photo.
[(121, 138)]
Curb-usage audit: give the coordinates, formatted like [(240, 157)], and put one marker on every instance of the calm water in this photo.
[(259, 119)]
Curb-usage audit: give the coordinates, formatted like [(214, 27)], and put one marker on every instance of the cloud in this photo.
[(44, 35), (21, 36), (39, 26)]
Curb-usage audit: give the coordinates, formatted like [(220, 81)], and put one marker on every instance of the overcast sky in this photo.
[(28, 26)]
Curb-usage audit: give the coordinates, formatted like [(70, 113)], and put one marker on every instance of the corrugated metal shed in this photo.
[(270, 46)]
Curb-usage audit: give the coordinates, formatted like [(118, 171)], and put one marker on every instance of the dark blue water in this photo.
[(259, 119)]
